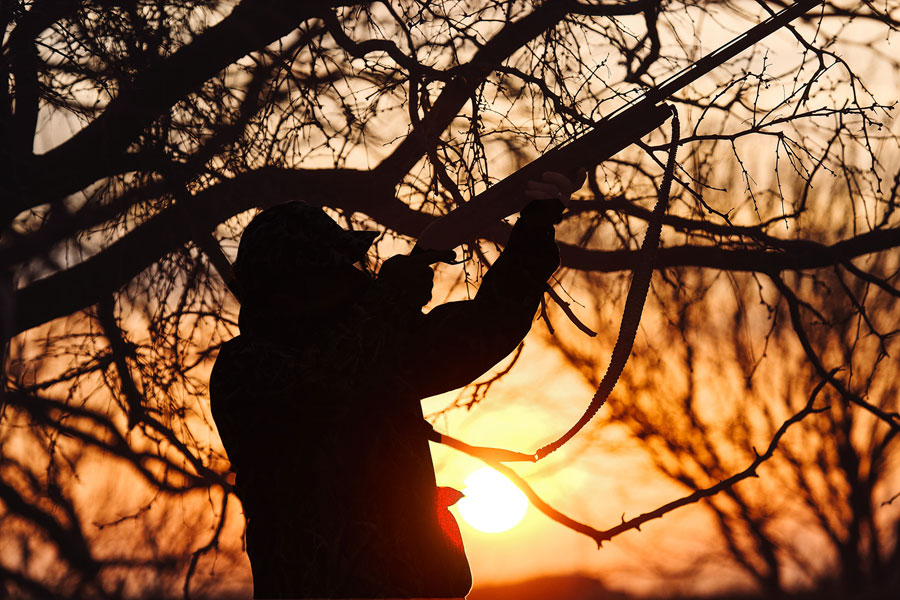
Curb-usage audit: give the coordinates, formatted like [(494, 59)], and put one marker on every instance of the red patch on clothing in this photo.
[(447, 497)]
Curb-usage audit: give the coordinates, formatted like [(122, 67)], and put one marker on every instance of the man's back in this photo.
[(333, 466)]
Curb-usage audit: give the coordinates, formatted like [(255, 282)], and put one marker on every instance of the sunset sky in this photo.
[(777, 274)]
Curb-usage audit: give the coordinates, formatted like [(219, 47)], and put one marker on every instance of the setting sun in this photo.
[(492, 503)]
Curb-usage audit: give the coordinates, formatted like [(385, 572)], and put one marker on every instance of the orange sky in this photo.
[(597, 478)]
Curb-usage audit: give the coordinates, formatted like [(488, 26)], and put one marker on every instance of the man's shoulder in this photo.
[(242, 348), (231, 355), (245, 360)]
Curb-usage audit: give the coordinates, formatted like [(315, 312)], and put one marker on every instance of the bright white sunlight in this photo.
[(492, 503)]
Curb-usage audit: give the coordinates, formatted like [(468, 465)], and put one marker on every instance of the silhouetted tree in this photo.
[(714, 377), (139, 136)]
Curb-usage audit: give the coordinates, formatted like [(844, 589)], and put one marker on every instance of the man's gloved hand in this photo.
[(411, 274)]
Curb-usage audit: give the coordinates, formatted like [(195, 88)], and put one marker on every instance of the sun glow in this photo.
[(492, 503)]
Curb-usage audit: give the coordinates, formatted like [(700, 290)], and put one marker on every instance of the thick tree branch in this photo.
[(24, 61), (360, 191), (96, 150), (622, 9), (460, 88), (88, 282), (69, 540), (361, 49), (796, 255)]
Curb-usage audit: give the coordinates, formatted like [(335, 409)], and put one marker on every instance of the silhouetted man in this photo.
[(318, 400)]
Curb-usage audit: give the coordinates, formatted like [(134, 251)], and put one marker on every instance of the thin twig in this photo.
[(566, 308)]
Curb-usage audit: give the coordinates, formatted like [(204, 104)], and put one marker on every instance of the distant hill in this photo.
[(563, 587)]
